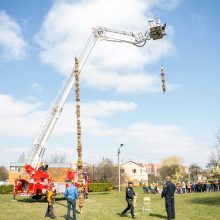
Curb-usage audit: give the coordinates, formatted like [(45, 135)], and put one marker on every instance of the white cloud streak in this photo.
[(94, 117), (18, 117), (169, 136), (36, 87), (22, 119), (12, 43), (164, 140), (167, 4), (12, 149)]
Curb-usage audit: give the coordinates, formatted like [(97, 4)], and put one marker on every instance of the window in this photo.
[(122, 170), (133, 170), (13, 169), (140, 170)]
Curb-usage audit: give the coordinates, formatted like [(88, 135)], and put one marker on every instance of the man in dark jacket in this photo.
[(168, 192), (129, 198)]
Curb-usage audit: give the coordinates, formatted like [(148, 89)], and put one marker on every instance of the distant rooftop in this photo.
[(52, 165)]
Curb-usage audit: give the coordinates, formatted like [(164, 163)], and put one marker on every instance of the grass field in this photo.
[(105, 206)]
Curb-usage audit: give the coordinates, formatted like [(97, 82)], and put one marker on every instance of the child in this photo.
[(50, 200)]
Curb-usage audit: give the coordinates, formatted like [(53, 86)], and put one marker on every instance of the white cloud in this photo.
[(129, 83), (93, 117), (10, 107), (111, 65), (161, 141), (12, 149), (22, 118), (106, 108), (167, 4), (36, 87), (159, 135), (12, 44), (18, 117)]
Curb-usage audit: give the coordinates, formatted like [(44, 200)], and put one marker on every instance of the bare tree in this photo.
[(194, 170), (214, 158), (56, 158), (3, 173), (168, 161), (22, 158), (172, 166), (91, 170), (169, 170), (153, 178), (105, 172)]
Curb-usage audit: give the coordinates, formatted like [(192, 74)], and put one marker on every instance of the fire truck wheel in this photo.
[(36, 197)]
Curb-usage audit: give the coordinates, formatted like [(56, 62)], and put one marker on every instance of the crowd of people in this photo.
[(198, 186), (151, 188), (170, 188), (186, 187)]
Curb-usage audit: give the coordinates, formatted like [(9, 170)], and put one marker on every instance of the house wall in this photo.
[(152, 168), (134, 172), (14, 172)]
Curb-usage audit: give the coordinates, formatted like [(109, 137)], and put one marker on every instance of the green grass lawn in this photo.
[(105, 206)]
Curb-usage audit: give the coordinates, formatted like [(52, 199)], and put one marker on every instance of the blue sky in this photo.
[(120, 84)]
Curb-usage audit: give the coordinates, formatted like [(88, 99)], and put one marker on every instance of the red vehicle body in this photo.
[(36, 185), (73, 176)]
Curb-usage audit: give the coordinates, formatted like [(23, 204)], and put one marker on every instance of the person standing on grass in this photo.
[(129, 198), (168, 192), (85, 185), (50, 200), (183, 187), (71, 195)]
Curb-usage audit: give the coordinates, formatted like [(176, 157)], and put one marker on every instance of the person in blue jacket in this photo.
[(71, 195)]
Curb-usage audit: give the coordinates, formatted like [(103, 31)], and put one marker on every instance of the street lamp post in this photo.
[(119, 173)]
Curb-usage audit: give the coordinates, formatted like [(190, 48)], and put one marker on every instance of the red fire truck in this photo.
[(35, 181)]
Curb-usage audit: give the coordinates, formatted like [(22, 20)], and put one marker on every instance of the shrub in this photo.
[(6, 189), (100, 187)]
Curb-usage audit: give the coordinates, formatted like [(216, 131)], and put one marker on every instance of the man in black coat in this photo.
[(168, 192), (129, 198)]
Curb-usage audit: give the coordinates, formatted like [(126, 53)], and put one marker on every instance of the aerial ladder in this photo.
[(37, 181)]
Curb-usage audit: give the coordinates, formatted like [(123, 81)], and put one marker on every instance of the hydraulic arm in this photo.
[(155, 31)]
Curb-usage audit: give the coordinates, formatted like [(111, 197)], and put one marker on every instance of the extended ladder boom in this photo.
[(155, 31)]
